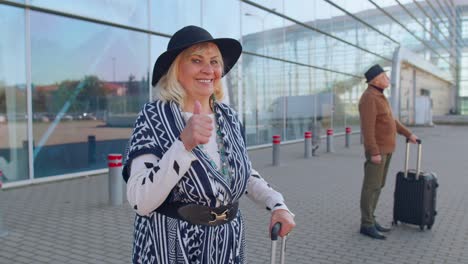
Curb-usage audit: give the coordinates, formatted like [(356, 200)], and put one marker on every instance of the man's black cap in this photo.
[(373, 72)]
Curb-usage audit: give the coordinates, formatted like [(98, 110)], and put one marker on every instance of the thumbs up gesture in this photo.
[(198, 129)]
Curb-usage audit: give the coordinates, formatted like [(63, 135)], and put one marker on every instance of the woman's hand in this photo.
[(285, 218), (198, 130)]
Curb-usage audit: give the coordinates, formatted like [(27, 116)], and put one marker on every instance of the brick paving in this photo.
[(71, 221)]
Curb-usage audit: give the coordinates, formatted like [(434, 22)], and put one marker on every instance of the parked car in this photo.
[(87, 116)]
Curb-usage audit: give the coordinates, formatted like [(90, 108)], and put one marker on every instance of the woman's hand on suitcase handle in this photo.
[(285, 218)]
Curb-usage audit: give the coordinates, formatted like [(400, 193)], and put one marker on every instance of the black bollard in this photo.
[(91, 149)]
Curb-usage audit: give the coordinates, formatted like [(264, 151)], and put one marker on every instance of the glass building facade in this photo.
[(74, 74)]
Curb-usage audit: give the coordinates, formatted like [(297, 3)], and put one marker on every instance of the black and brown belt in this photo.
[(199, 214)]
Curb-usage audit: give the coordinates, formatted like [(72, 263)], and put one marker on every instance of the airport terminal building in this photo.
[(74, 74)]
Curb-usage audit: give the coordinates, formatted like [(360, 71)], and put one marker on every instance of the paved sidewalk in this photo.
[(71, 222)]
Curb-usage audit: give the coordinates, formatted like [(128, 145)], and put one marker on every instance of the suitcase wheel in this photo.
[(429, 227), (421, 227), (395, 223)]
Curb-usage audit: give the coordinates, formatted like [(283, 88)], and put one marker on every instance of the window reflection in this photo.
[(214, 11), (13, 98), (289, 99), (132, 13), (263, 85), (89, 82), (464, 88), (464, 105), (168, 16)]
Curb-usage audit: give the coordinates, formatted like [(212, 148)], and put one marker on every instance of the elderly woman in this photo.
[(187, 163)]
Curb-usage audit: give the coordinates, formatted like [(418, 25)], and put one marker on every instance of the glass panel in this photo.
[(263, 84), (431, 10), (306, 98), (464, 106), (214, 13), (347, 91), (13, 98), (465, 28), (351, 100), (262, 32), (373, 41), (271, 4), (89, 82), (253, 82), (299, 102), (464, 60), (168, 16), (132, 13), (325, 17), (265, 20), (463, 88), (231, 82)]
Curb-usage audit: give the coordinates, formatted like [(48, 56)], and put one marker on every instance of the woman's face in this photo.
[(199, 69)]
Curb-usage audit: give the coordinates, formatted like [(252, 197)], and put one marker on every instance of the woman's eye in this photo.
[(196, 61), (214, 62)]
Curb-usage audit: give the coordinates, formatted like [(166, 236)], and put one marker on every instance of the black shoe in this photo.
[(371, 231), (381, 228)]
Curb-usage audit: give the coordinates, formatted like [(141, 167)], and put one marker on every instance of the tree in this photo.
[(87, 95)]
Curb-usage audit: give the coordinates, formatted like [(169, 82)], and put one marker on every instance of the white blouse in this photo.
[(145, 198)]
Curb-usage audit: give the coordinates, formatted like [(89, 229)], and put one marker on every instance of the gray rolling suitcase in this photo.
[(274, 239), (415, 194)]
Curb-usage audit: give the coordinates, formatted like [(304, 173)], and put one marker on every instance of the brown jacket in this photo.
[(378, 126)]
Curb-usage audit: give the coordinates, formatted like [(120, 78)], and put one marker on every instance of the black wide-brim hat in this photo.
[(373, 72), (230, 49)]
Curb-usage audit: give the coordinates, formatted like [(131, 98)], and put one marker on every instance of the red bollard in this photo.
[(307, 144), (347, 136), (330, 140), (114, 162), (276, 144)]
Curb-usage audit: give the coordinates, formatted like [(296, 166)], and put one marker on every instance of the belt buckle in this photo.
[(219, 217)]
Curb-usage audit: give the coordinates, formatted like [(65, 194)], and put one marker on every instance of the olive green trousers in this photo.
[(374, 180)]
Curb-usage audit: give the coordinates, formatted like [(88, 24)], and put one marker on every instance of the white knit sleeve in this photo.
[(259, 191), (152, 179)]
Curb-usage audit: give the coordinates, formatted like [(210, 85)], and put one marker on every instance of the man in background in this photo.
[(379, 129)]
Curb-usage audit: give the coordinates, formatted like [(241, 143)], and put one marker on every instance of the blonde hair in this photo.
[(169, 88)]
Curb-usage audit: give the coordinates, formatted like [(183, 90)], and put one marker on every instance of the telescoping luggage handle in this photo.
[(274, 238), (418, 164)]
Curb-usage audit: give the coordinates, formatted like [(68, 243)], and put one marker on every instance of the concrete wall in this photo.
[(412, 82)]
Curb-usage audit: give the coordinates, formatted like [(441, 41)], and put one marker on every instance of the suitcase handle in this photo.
[(418, 164), (274, 238), (275, 231)]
